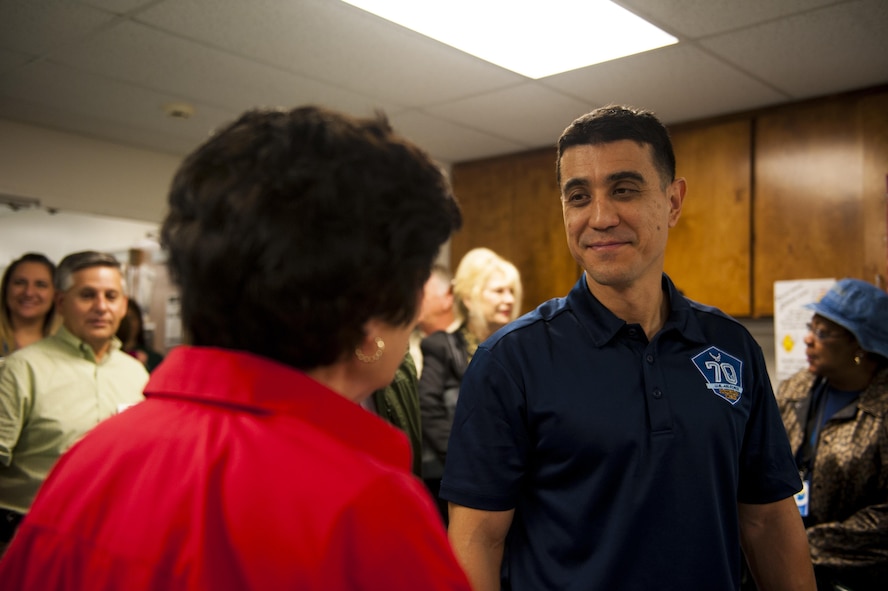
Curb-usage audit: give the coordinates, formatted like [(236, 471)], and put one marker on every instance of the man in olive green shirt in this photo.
[(54, 391)]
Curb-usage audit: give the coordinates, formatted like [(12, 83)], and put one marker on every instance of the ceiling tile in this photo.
[(449, 142), (118, 6), (12, 59), (60, 89), (679, 83), (530, 113), (820, 52), (701, 18), (39, 27), (336, 43), (98, 127), (165, 63)]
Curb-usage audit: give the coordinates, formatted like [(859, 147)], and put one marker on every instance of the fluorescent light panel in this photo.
[(535, 38)]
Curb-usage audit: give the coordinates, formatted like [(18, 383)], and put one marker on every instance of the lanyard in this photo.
[(814, 422)]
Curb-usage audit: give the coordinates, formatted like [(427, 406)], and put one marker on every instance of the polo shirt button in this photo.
[(650, 358), (657, 393)]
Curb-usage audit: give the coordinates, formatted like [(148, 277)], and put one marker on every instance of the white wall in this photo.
[(75, 173), (63, 233), (108, 196)]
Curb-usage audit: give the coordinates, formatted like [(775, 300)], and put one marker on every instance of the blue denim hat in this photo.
[(861, 308)]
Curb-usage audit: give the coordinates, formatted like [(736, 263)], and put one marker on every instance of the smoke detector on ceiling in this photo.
[(178, 110)]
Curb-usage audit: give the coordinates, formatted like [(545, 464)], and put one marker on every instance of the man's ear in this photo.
[(676, 196)]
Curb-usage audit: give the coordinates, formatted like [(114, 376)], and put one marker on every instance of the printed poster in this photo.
[(790, 322)]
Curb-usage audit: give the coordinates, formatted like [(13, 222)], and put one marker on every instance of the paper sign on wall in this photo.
[(790, 320)]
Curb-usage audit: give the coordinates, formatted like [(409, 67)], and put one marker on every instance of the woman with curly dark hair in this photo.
[(300, 241)]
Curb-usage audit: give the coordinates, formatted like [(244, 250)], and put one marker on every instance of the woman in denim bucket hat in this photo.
[(836, 416)]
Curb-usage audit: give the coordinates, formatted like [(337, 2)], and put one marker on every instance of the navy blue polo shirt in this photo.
[(623, 459)]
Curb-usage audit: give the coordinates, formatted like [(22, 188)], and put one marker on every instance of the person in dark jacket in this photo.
[(398, 403), (487, 291)]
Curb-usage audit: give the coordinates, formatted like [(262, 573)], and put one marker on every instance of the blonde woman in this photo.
[(487, 293)]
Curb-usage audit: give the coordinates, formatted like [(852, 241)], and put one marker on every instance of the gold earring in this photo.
[(380, 348), (857, 358)]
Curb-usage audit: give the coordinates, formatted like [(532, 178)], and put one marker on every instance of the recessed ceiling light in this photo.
[(534, 39)]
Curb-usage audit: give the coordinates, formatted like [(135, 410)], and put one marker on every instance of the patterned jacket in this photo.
[(848, 511)]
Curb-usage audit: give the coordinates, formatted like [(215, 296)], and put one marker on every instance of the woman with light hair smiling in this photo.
[(487, 293), (487, 289)]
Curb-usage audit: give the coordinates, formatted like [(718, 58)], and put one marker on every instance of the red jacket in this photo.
[(235, 473)]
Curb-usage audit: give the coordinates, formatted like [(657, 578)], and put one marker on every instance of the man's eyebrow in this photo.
[(624, 175), (574, 182), (621, 175)]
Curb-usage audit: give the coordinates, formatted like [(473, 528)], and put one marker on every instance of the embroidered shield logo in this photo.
[(723, 373)]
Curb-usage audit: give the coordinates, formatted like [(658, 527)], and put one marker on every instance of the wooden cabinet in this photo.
[(807, 214), (512, 205), (819, 205), (708, 254), (873, 121)]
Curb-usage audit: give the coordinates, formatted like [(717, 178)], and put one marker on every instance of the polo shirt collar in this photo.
[(250, 383), (81, 347), (682, 316), (603, 325)]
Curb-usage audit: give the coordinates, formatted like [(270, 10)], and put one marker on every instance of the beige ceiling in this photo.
[(105, 68)]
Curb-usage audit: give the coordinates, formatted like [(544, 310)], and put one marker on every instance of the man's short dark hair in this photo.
[(289, 230), (614, 123), (81, 260)]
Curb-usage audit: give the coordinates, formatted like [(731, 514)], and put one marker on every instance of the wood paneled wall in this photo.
[(807, 207), (512, 205), (708, 256), (797, 191), (873, 121)]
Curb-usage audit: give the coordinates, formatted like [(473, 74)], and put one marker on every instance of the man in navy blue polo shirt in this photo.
[(622, 437)]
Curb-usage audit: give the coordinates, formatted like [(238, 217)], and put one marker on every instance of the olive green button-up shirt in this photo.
[(51, 394)]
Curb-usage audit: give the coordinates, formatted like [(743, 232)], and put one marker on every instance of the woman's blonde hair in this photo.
[(474, 271)]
